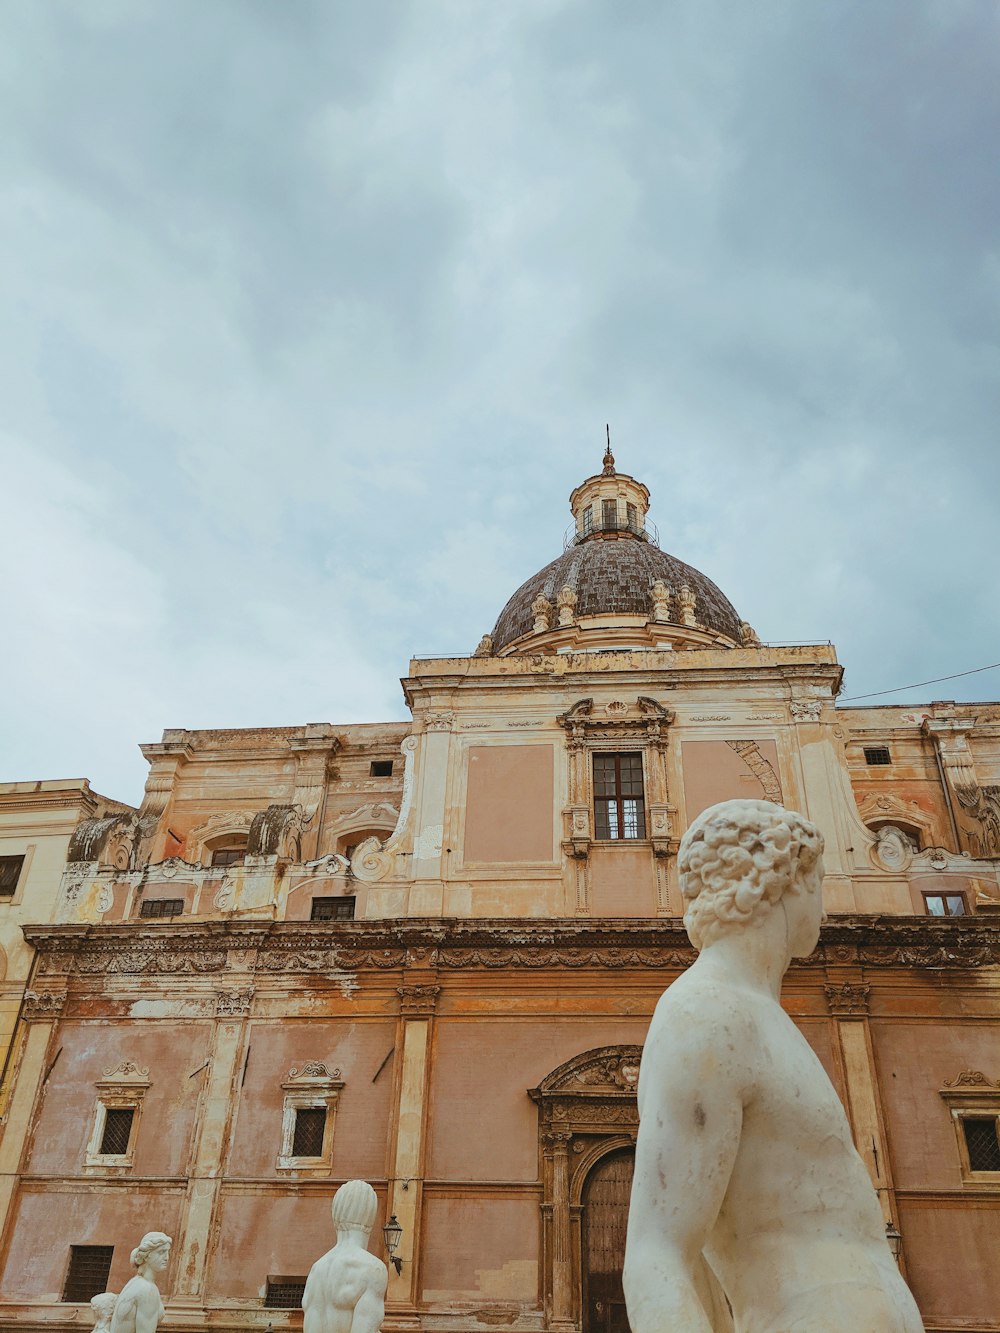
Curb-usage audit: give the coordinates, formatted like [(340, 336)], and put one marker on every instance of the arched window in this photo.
[(227, 851)]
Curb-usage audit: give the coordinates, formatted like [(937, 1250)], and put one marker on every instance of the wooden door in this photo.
[(605, 1216)]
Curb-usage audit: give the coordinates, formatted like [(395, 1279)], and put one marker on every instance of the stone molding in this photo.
[(208, 948)]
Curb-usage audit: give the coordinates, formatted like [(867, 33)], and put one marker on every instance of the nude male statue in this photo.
[(745, 1167), (345, 1290)]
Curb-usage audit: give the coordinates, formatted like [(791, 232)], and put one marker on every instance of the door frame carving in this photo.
[(586, 1110)]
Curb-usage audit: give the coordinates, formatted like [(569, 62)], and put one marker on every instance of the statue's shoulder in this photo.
[(699, 1005)]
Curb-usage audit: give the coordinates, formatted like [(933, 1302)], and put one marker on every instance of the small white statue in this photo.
[(485, 646), (685, 605), (103, 1307), (345, 1290), (746, 1176), (139, 1308), (659, 595), (567, 605), (750, 637)]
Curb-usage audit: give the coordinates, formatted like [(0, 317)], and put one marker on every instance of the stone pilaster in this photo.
[(218, 1102), (406, 1175)]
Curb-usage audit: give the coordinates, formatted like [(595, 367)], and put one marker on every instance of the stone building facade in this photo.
[(427, 954)]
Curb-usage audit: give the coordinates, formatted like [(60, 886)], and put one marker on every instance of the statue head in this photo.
[(738, 860), (103, 1307), (354, 1207), (154, 1249)]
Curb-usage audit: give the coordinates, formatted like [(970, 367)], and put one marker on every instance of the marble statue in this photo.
[(345, 1290), (103, 1307), (747, 1181), (139, 1307)]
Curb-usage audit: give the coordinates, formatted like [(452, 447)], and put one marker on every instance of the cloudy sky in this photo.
[(314, 312)]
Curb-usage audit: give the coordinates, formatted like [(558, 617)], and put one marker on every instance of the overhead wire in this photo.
[(876, 694)]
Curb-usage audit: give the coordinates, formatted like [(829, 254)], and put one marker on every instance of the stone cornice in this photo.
[(210, 948)]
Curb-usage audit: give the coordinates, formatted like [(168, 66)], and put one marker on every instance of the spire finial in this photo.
[(609, 458)]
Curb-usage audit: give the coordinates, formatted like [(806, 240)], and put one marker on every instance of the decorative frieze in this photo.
[(417, 1001), (233, 1003)]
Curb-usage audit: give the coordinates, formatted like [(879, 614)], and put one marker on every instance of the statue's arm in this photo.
[(312, 1322), (691, 1107)]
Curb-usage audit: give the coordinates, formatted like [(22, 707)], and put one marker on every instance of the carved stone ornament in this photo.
[(125, 1076), (313, 1071), (233, 1003), (484, 647), (645, 720), (566, 603), (438, 721), (41, 1005), (685, 605), (806, 710), (659, 596), (848, 1000), (418, 1001), (541, 609), (374, 859), (893, 850), (760, 766), (749, 636), (972, 1078)]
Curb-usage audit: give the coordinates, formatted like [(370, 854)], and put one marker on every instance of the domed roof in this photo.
[(614, 578)]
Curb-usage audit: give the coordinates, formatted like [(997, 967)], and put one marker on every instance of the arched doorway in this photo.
[(605, 1218)]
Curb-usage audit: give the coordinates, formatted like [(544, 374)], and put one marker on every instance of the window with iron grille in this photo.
[(10, 873), (307, 1137), (588, 520), (609, 513), (89, 1266), (332, 909), (619, 804), (981, 1142), (117, 1130), (633, 517), (877, 756), (284, 1293), (945, 904), (229, 856), (381, 768), (160, 907)]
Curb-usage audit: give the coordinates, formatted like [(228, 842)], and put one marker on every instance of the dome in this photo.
[(615, 578), (613, 587)]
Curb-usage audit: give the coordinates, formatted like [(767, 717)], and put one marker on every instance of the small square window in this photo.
[(945, 904), (10, 873), (981, 1142), (332, 909), (877, 756), (117, 1131), (89, 1267), (310, 1126), (154, 908), (284, 1293), (381, 768)]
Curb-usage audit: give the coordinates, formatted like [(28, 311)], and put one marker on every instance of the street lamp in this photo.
[(895, 1238), (391, 1233)]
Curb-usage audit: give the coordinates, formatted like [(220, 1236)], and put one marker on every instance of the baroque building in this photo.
[(427, 954)]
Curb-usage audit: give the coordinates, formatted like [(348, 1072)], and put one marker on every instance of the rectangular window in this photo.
[(619, 806), (284, 1293), (307, 1137), (160, 907), (89, 1267), (332, 909), (588, 520), (633, 518), (117, 1130), (981, 1142), (10, 873), (945, 904), (609, 513), (877, 756), (381, 768), (229, 856)]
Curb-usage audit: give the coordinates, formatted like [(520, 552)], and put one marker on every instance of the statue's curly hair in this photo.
[(737, 859)]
